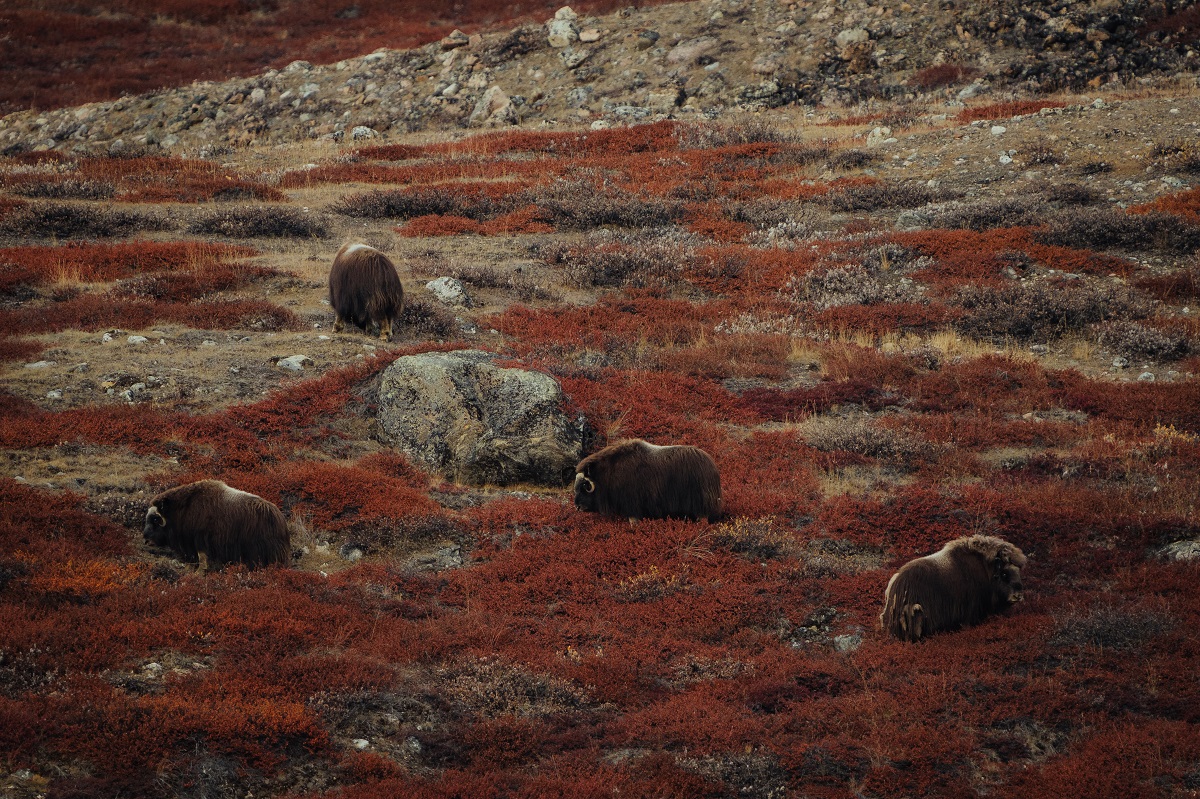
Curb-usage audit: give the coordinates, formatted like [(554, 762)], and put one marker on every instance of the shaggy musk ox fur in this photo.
[(215, 524), (965, 581), (364, 288), (644, 481)]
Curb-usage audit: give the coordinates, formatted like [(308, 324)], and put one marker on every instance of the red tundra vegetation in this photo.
[(566, 653)]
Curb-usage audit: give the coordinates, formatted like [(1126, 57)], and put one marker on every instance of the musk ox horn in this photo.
[(157, 517), (588, 485)]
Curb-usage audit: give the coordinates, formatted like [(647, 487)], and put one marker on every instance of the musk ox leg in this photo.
[(202, 567), (385, 330), (339, 324), (912, 621)]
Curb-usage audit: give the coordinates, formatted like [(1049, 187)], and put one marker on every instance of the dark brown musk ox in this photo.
[(209, 522), (961, 584), (364, 288), (639, 480)]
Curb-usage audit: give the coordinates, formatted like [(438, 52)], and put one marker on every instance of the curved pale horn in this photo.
[(156, 517), (588, 485)]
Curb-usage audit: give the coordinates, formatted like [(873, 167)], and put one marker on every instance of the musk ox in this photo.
[(210, 522), (364, 288), (644, 481), (968, 579)]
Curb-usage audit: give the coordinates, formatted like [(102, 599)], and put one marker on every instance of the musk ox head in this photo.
[(639, 480), (364, 289), (961, 584), (209, 522)]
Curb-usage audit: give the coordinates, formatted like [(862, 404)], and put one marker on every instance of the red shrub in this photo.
[(91, 263), (885, 317), (939, 75), (1185, 205), (98, 312), (1006, 110), (19, 349), (1180, 287), (793, 405)]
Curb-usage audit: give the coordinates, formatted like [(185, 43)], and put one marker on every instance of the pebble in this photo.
[(998, 130), (137, 339), (294, 363), (1146, 377), (41, 364), (1120, 363)]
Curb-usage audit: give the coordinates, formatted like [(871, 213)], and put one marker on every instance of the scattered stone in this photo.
[(878, 136), (362, 133), (1146, 377), (847, 643), (448, 290), (1120, 362), (41, 364), (54, 394), (351, 552), (493, 106), (439, 560), (454, 40), (851, 36), (1039, 349), (361, 743), (1181, 550), (79, 368), (476, 423), (998, 130), (562, 31), (646, 40), (137, 339), (294, 363), (590, 35), (687, 51)]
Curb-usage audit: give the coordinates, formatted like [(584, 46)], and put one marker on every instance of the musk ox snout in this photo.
[(638, 480), (963, 583)]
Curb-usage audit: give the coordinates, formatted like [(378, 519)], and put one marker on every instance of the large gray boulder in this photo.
[(461, 415)]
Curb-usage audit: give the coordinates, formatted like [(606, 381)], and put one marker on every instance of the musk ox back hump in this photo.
[(961, 584), (223, 524), (365, 288), (639, 480)]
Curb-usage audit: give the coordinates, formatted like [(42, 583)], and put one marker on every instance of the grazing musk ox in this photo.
[(213, 523), (364, 288), (965, 581), (639, 480)]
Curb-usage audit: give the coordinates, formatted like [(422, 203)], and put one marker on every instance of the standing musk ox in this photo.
[(643, 481), (365, 289), (210, 522), (968, 579)]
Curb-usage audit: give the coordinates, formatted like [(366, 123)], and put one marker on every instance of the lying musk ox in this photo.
[(210, 522), (965, 581), (365, 289), (644, 481)]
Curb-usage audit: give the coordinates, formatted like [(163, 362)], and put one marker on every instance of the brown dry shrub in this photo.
[(939, 75), (427, 319), (1096, 228), (850, 159), (1019, 212), (60, 221), (572, 205), (846, 285), (863, 437), (69, 189), (260, 222), (1135, 340), (410, 203), (882, 195), (1042, 310), (607, 258), (490, 277)]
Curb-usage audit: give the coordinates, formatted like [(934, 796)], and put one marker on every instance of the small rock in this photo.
[(1146, 377), (448, 290), (573, 58), (41, 364), (561, 32), (351, 552), (646, 40), (79, 367), (851, 36), (137, 339), (54, 394), (590, 35), (455, 39), (998, 130), (687, 51), (878, 136), (1181, 550), (1039, 349), (107, 337), (1120, 363), (1005, 159), (361, 743), (298, 66), (258, 96), (294, 363), (362, 132), (847, 643), (208, 342)]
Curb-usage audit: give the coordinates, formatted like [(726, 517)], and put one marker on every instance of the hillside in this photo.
[(908, 273)]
